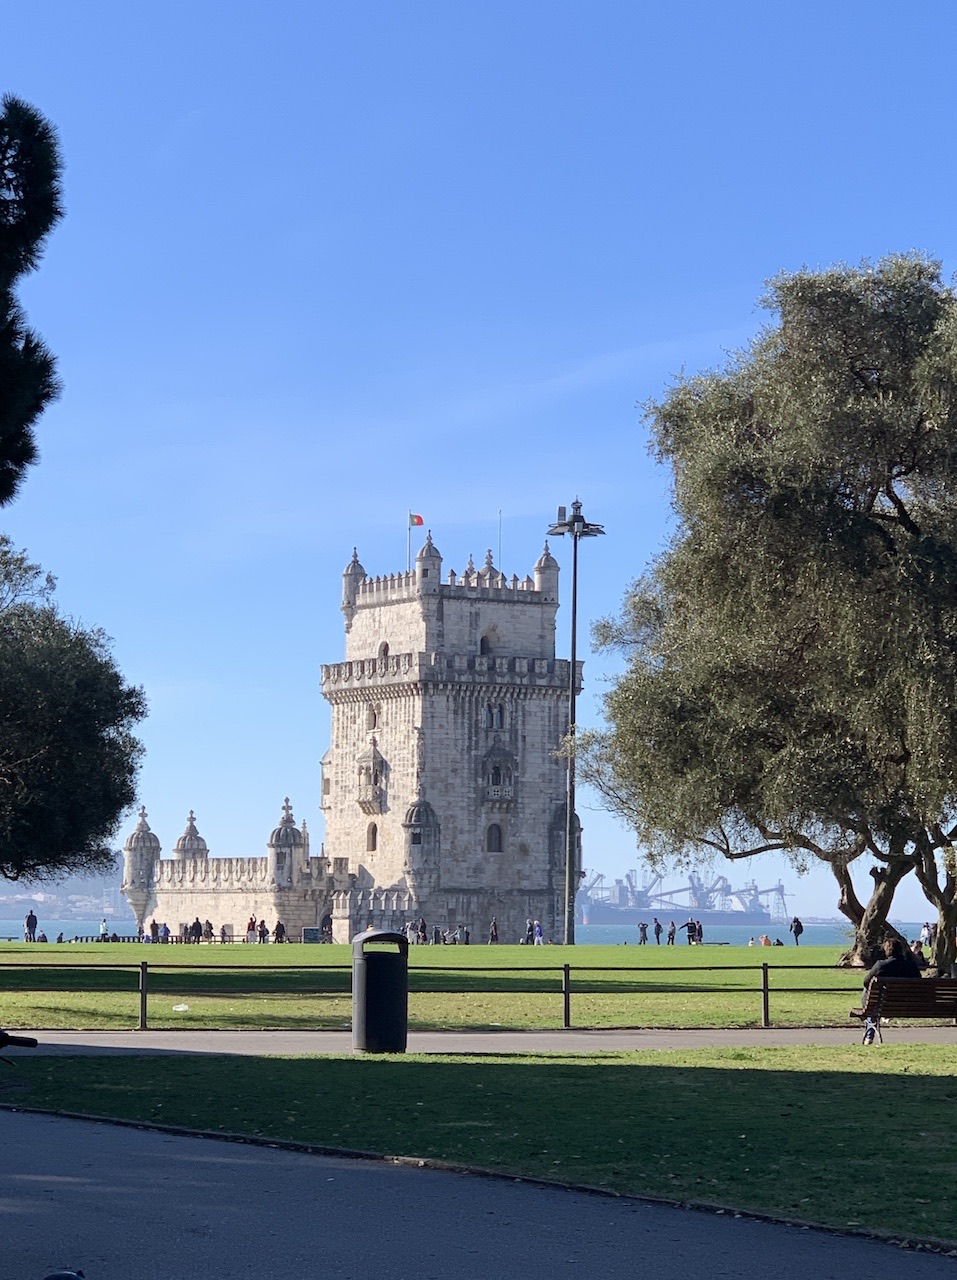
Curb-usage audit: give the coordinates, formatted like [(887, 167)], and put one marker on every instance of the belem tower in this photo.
[(442, 790)]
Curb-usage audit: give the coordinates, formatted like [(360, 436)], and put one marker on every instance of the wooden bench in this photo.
[(909, 998)]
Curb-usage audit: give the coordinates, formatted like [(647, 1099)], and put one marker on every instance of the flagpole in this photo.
[(408, 542), (500, 538)]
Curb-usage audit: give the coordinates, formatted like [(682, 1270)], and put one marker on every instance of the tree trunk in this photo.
[(870, 920), (944, 952)]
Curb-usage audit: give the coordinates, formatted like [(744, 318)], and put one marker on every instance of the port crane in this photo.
[(715, 894)]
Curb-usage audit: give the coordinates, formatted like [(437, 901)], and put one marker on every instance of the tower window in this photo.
[(372, 718), (383, 651), (485, 645), (499, 717), (416, 837), (489, 719), (372, 838), (493, 839)]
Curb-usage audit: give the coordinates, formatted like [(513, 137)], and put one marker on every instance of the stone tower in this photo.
[(442, 793)]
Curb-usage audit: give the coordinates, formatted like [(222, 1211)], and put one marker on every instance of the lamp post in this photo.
[(576, 527)]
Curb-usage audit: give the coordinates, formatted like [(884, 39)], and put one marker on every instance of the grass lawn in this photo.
[(451, 987), (839, 1136)]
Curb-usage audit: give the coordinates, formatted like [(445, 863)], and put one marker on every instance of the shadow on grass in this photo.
[(728, 1127)]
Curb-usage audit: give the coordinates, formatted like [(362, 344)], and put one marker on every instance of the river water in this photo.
[(831, 934)]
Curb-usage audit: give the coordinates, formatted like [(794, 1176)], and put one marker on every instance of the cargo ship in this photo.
[(713, 903)]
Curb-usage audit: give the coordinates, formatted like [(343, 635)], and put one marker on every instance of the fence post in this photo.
[(566, 996), (765, 1003), (142, 989)]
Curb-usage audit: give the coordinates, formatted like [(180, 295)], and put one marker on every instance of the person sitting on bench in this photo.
[(896, 962)]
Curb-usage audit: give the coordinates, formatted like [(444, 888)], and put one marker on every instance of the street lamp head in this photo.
[(577, 526)]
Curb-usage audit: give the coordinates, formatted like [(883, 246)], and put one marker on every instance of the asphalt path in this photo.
[(469, 1042), (127, 1202), (133, 1204)]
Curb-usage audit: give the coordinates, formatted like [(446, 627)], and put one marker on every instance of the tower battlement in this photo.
[(443, 668), (479, 611)]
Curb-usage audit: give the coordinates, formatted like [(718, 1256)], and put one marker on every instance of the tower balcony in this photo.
[(371, 798), (500, 793)]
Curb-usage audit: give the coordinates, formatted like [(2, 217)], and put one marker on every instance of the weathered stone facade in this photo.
[(442, 794), (287, 884), (442, 780)]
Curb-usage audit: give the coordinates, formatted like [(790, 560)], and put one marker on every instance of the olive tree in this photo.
[(68, 755), (791, 679)]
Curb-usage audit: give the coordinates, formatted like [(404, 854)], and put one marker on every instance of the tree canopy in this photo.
[(68, 756), (792, 655), (30, 169)]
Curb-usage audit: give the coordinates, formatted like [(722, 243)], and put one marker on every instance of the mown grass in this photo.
[(450, 987), (845, 1137)]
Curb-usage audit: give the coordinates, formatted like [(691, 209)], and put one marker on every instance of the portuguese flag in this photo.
[(415, 521)]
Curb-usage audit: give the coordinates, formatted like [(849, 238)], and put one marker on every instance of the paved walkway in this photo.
[(496, 1042), (136, 1204), (133, 1204)]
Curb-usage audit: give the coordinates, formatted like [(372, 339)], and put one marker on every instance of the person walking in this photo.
[(539, 936), (529, 933), (671, 934), (658, 931), (797, 929), (493, 932)]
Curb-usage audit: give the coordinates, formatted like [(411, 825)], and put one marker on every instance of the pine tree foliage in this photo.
[(792, 656), (30, 206), (68, 756)]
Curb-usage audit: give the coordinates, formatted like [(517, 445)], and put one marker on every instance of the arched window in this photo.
[(489, 717), (372, 838), (485, 645), (496, 778), (493, 839), (383, 651), (372, 718), (499, 717)]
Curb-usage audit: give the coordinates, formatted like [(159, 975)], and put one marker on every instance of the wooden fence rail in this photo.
[(567, 980)]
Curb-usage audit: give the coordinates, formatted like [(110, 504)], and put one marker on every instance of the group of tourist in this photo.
[(695, 932), (417, 933), (258, 931), (199, 931)]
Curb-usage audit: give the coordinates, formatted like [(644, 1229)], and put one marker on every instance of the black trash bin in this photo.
[(380, 992)]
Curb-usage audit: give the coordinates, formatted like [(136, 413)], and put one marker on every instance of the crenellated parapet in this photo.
[(341, 678), (211, 873)]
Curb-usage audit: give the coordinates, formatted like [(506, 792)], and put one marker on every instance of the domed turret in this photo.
[(428, 567), (420, 814), (352, 576), (422, 848), (488, 570), (190, 844), (140, 855), (283, 846), (546, 575), (287, 835), (142, 840)]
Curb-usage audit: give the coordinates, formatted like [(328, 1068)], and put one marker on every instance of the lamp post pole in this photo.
[(577, 528)]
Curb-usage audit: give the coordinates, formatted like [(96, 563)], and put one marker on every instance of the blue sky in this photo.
[(323, 263)]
